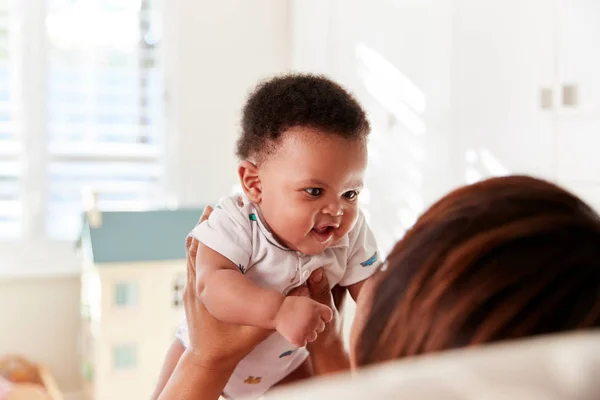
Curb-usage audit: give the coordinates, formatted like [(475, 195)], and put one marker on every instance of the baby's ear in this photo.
[(250, 181)]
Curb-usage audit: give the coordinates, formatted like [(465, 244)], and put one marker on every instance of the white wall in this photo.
[(469, 75), (40, 320), (218, 51)]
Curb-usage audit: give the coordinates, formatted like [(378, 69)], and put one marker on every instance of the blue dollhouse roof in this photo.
[(131, 236)]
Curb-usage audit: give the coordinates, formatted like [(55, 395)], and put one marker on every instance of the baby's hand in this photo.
[(300, 319)]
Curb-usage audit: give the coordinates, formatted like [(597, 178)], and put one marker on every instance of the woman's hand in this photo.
[(213, 343), (215, 346), (327, 352)]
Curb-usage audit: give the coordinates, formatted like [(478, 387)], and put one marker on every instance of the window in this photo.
[(10, 145), (125, 294), (104, 108), (124, 357), (85, 113)]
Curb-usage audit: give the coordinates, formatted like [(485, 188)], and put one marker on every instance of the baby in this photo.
[(304, 154)]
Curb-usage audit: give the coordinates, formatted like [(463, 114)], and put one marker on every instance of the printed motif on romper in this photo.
[(253, 380), (286, 353), (370, 261)]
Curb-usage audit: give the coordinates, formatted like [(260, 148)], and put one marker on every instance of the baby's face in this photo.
[(310, 187)]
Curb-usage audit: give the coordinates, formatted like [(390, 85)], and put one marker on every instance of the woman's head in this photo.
[(504, 258)]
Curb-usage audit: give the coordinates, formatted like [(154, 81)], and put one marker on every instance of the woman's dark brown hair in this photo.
[(504, 258)]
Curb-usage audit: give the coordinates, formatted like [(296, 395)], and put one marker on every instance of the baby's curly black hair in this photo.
[(293, 100)]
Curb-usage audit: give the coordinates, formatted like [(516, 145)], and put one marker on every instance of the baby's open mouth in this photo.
[(324, 233)]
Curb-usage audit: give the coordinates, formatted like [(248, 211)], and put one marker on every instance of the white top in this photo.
[(235, 230), (555, 367)]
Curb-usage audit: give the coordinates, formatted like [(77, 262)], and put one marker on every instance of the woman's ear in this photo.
[(250, 181)]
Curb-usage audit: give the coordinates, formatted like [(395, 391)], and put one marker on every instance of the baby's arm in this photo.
[(231, 297)]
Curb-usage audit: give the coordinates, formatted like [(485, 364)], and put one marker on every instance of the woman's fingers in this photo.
[(205, 214), (191, 270), (188, 241), (193, 251), (301, 291), (191, 248), (319, 289), (320, 326)]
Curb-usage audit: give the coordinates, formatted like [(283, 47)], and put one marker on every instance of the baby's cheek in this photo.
[(350, 221), (293, 227)]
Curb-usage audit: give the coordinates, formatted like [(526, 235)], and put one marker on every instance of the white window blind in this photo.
[(81, 110), (104, 108), (10, 146)]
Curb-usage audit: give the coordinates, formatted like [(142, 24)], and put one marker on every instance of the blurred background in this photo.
[(112, 108)]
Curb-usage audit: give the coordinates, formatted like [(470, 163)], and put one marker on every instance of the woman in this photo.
[(504, 258)]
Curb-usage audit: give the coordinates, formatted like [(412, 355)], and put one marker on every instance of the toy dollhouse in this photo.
[(132, 280)]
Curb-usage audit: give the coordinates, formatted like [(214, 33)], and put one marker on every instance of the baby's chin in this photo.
[(314, 249)]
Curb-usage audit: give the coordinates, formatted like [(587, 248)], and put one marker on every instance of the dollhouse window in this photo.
[(124, 357), (125, 294)]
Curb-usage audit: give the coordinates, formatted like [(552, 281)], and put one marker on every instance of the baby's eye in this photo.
[(351, 195), (314, 191)]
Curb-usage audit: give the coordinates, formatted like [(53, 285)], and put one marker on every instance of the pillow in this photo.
[(557, 367)]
